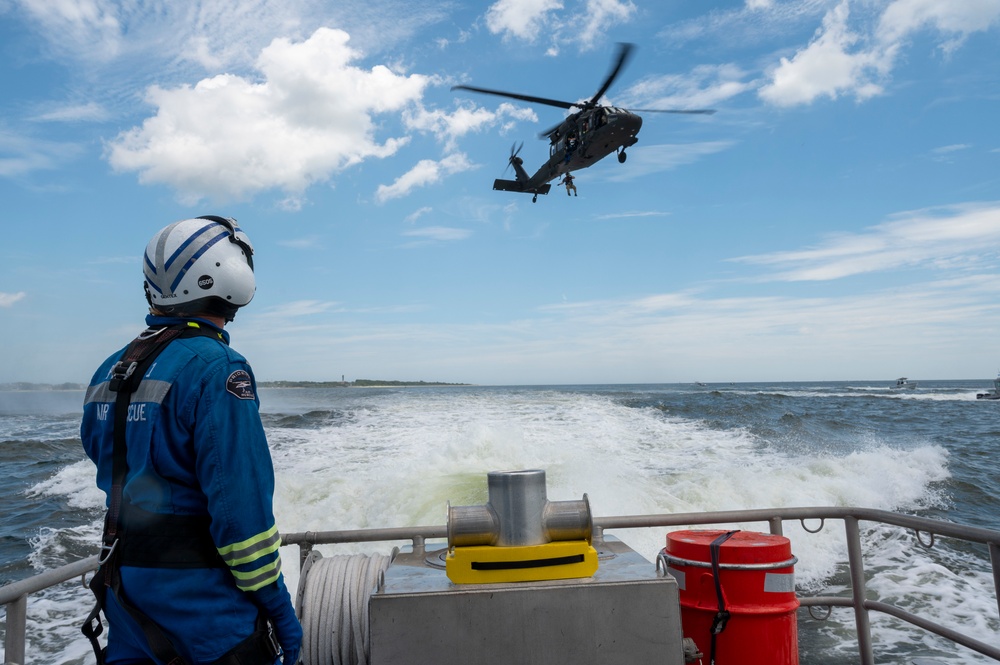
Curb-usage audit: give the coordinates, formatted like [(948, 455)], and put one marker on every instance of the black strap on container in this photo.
[(722, 616)]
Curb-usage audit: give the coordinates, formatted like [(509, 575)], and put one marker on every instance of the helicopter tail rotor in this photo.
[(514, 159)]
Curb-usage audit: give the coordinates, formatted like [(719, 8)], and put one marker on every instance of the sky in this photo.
[(836, 219)]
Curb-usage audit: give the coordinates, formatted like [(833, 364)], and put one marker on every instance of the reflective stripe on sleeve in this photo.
[(255, 579), (252, 548)]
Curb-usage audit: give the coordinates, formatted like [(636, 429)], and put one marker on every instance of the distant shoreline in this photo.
[(359, 383)]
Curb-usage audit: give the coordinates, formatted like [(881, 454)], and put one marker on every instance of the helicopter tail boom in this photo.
[(515, 186)]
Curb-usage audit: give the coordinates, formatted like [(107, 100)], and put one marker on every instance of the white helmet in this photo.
[(199, 266)]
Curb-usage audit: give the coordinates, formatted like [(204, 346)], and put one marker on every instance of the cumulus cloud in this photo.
[(426, 172), (953, 236), (857, 62), (8, 299), (228, 137), (827, 67)]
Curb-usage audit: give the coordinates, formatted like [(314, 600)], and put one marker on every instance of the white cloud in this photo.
[(417, 214), (945, 149), (634, 214), (441, 233), (426, 172), (956, 236), (826, 67), (8, 299), (599, 16), (94, 23), (22, 154), (704, 87), (523, 19), (160, 37), (583, 22), (308, 242), (297, 309), (839, 61), (655, 158), (957, 18), (229, 137), (91, 111), (449, 127)]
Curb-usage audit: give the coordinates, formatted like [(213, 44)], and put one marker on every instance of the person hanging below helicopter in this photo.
[(568, 180)]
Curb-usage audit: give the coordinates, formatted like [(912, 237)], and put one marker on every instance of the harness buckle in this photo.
[(272, 641), (120, 374), (106, 552)]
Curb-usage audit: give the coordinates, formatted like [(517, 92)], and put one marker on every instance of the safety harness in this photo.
[(135, 537)]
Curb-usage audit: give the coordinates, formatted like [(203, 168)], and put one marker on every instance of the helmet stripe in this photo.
[(194, 257), (184, 245)]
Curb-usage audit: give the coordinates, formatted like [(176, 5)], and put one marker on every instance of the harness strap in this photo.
[(126, 375), (722, 616)]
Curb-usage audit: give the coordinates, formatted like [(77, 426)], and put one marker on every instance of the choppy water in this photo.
[(356, 458)]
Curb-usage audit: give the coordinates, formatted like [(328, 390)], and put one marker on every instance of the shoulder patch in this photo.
[(239, 384)]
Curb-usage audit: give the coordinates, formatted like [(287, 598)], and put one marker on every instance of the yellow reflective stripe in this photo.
[(193, 324), (252, 548), (255, 579)]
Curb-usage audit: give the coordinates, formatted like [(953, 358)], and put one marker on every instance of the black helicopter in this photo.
[(583, 138)]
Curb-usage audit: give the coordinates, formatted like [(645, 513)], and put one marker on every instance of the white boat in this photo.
[(991, 394), (903, 383), (525, 580)]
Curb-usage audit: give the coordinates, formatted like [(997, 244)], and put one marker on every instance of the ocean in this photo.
[(348, 458)]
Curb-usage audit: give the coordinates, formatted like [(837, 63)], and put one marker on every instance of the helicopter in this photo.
[(581, 139)]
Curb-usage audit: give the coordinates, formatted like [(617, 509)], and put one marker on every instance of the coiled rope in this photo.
[(333, 607)]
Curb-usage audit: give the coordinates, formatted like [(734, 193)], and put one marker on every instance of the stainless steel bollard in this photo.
[(518, 514)]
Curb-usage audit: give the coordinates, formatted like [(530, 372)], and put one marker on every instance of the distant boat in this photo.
[(991, 394), (903, 383)]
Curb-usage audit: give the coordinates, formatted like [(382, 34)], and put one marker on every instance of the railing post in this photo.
[(776, 527), (858, 591), (17, 617)]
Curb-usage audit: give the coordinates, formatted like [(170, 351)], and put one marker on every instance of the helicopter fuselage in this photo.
[(582, 140)]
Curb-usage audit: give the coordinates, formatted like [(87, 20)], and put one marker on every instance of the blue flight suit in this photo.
[(196, 446)]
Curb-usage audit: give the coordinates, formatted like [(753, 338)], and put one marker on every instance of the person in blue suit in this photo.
[(190, 570)]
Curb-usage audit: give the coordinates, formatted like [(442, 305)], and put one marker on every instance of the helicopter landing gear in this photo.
[(622, 157)]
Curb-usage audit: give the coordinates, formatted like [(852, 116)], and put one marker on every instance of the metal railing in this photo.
[(14, 596)]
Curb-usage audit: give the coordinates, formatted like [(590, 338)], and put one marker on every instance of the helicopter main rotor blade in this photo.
[(548, 132), (514, 95), (696, 111), (624, 51)]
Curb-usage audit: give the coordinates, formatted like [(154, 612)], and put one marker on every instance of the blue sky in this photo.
[(838, 218)]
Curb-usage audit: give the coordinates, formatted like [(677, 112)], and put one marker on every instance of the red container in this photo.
[(758, 584)]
